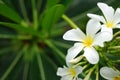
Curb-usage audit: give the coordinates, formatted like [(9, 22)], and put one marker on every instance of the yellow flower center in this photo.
[(116, 78), (88, 41), (73, 72), (110, 24)]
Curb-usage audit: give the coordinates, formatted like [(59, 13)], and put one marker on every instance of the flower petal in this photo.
[(118, 26), (74, 51), (78, 70), (105, 28), (67, 77), (108, 73), (108, 11), (62, 71), (92, 27), (101, 37), (96, 17), (117, 16), (91, 55), (74, 35)]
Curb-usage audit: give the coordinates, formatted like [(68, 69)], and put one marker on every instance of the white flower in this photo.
[(109, 73), (69, 73), (86, 42), (111, 18)]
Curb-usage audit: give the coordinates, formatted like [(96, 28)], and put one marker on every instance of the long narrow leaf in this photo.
[(51, 16), (21, 28), (9, 13)]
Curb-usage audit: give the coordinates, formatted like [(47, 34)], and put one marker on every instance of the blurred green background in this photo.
[(31, 43)]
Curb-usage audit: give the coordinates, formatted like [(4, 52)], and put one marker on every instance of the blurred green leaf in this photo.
[(21, 28), (51, 16), (66, 3), (51, 3), (9, 13)]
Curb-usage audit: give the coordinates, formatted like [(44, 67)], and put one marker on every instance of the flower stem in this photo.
[(11, 66), (117, 33), (97, 74), (72, 24), (90, 72)]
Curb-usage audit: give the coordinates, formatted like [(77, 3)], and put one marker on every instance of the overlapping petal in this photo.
[(102, 37), (108, 73), (117, 16), (69, 73), (62, 71), (118, 26), (66, 77), (79, 69), (93, 26), (91, 55), (74, 35), (108, 11), (74, 51), (96, 17)]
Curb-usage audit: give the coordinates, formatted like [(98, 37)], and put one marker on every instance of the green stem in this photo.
[(72, 24), (117, 33), (114, 47), (97, 74), (26, 69), (11, 66), (90, 72), (40, 66), (23, 10), (35, 14), (50, 44)]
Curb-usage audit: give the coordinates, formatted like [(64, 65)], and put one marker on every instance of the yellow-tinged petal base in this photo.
[(117, 78), (72, 71)]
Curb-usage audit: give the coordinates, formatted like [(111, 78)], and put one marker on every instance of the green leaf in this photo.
[(52, 15), (51, 3), (66, 3), (9, 13), (21, 28)]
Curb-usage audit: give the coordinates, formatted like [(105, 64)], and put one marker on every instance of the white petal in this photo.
[(117, 26), (74, 51), (101, 37), (62, 71), (67, 77), (79, 69), (92, 27), (91, 55), (96, 17), (108, 73), (79, 79), (117, 16), (108, 11), (105, 28), (74, 35)]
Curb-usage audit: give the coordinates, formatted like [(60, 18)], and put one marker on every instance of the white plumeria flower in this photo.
[(87, 41), (111, 18), (69, 73), (109, 73)]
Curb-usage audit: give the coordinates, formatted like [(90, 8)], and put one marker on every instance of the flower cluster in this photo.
[(90, 47)]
